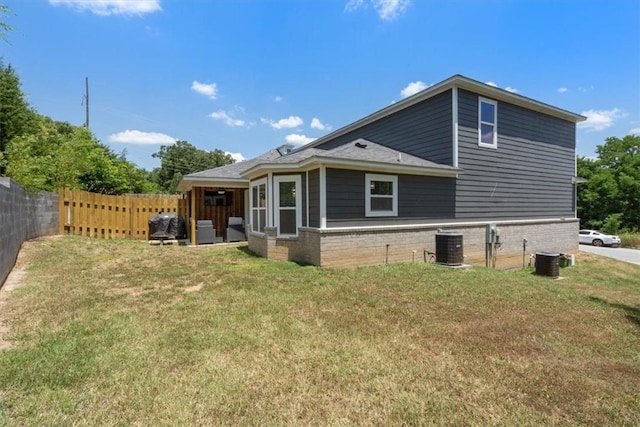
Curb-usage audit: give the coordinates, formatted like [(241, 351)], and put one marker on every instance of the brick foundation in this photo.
[(370, 246)]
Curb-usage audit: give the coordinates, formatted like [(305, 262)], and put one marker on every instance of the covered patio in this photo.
[(219, 194), (216, 204)]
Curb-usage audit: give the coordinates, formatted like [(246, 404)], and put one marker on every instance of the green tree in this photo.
[(4, 27), (61, 155), (183, 158), (611, 197), (16, 116)]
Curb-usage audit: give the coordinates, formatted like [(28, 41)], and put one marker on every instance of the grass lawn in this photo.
[(123, 333)]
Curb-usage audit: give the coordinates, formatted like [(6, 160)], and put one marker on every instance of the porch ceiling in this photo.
[(187, 183)]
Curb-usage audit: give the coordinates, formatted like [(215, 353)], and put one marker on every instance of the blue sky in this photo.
[(246, 76)]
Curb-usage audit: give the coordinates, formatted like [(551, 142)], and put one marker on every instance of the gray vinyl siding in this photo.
[(314, 198), (420, 198), (424, 130), (527, 176)]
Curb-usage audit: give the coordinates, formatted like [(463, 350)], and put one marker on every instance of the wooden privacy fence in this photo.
[(114, 217)]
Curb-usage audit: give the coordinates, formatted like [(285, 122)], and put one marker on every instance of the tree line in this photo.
[(43, 154), (610, 199)]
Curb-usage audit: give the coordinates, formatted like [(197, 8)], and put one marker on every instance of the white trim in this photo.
[(454, 109), (270, 200), (383, 167), (297, 179), (257, 183), (449, 224), (323, 197), (306, 186), (369, 177), (186, 184), (481, 101)]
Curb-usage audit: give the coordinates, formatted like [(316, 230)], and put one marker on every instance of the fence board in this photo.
[(113, 217)]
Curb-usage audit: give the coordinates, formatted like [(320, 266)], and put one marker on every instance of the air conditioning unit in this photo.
[(548, 264), (449, 249)]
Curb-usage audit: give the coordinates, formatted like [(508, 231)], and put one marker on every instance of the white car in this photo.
[(596, 238)]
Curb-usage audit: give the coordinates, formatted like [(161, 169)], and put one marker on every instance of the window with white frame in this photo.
[(487, 123), (381, 195), (288, 204), (258, 205)]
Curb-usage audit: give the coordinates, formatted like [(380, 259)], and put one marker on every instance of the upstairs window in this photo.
[(381, 195), (487, 123)]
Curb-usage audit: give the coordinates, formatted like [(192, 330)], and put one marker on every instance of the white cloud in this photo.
[(387, 10), (508, 88), (635, 131), (413, 88), (295, 138), (288, 123), (278, 98), (562, 90), (600, 119), (112, 7), (238, 157), (227, 118), (141, 138), (353, 5), (206, 89), (317, 124)]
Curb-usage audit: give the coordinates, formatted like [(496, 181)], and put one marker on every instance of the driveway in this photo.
[(622, 254)]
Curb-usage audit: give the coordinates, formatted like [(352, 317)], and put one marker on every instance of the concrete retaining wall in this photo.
[(23, 216), (369, 246)]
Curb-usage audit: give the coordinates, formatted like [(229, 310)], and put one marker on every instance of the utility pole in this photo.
[(86, 100)]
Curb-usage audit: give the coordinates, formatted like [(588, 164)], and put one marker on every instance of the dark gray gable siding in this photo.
[(419, 198), (424, 130), (528, 176), (314, 198)]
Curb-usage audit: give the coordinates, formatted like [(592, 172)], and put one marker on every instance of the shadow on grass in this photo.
[(246, 251), (631, 313)]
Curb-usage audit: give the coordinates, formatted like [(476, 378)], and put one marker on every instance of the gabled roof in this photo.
[(460, 82), (358, 154), (374, 157), (225, 176)]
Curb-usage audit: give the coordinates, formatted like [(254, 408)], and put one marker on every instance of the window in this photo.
[(258, 205), (487, 123), (288, 203), (381, 195)]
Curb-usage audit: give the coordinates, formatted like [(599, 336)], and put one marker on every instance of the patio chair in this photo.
[(235, 230)]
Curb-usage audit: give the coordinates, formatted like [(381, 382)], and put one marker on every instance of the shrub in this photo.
[(630, 240)]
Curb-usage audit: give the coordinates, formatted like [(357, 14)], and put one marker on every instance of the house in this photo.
[(460, 155)]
